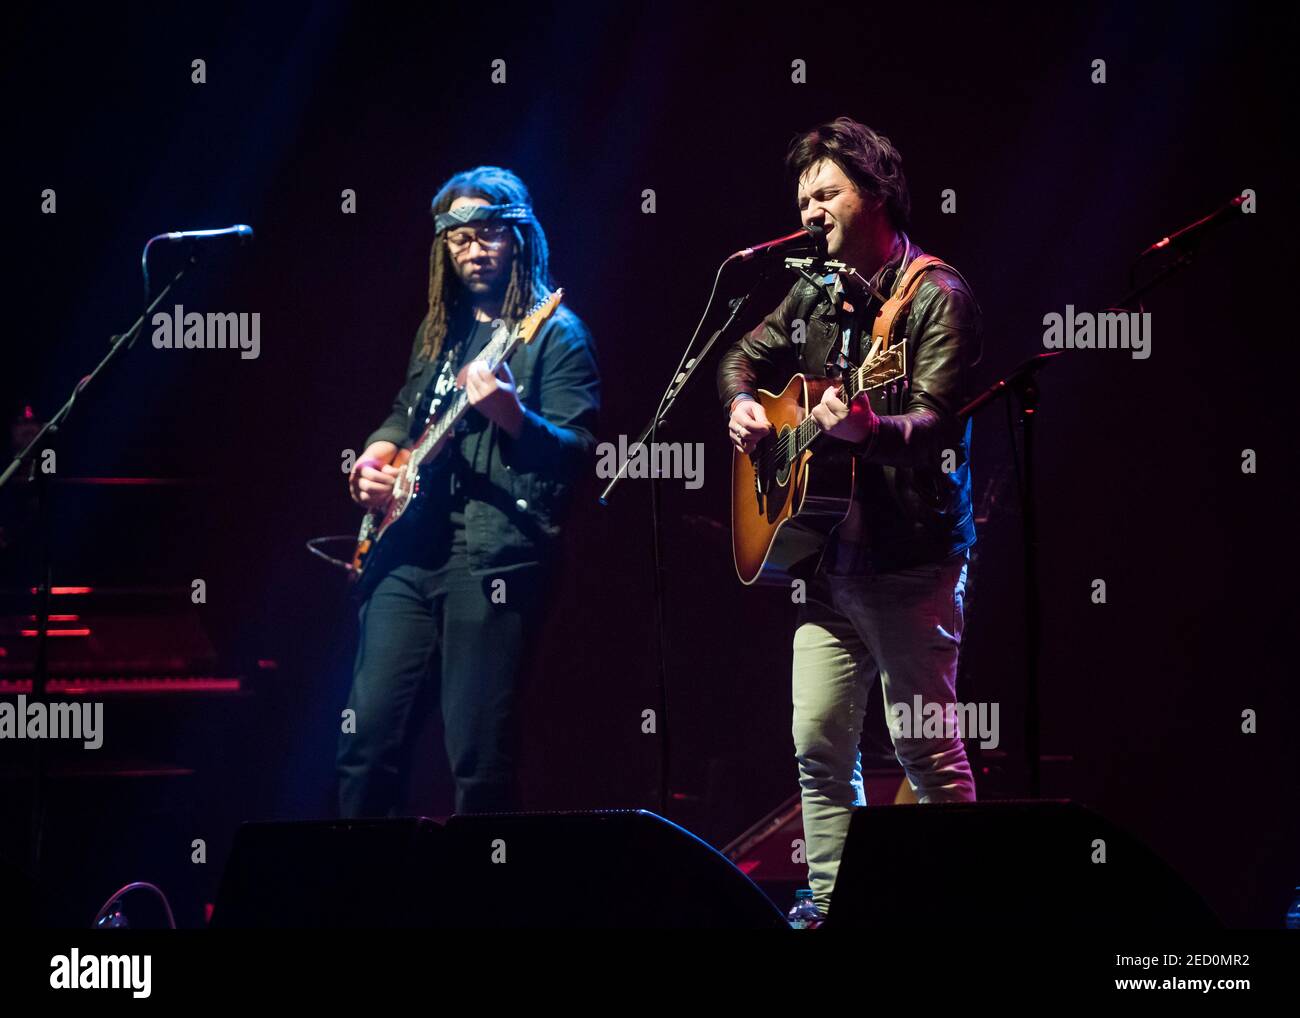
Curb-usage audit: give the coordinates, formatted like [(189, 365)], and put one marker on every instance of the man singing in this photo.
[(453, 615), (886, 597)]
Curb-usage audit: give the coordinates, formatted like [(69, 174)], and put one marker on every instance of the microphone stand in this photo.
[(1022, 385), (44, 439), (685, 370)]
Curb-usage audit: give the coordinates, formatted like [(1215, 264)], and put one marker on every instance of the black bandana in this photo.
[(474, 213)]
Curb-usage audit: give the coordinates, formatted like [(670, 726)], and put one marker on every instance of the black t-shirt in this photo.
[(439, 534)]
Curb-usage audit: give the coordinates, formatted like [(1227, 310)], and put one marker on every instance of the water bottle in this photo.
[(1293, 913), (113, 919), (805, 915)]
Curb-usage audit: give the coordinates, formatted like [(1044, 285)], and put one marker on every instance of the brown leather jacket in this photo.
[(913, 510)]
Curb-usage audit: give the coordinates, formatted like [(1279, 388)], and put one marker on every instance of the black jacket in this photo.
[(518, 489), (913, 511)]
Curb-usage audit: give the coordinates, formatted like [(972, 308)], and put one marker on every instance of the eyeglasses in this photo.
[(491, 237)]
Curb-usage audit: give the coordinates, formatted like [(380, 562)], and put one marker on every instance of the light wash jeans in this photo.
[(906, 627)]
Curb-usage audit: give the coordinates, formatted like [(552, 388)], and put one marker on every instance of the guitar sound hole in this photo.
[(783, 468)]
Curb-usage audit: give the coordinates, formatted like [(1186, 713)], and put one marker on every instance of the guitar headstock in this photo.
[(538, 314), (885, 367)]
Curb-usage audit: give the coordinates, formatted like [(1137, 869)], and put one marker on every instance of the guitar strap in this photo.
[(882, 329)]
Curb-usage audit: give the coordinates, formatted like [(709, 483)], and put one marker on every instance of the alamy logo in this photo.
[(934, 720), (73, 971), (1110, 330), (659, 459), (181, 330), (37, 720)]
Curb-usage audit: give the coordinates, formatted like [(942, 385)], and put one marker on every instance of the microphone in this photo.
[(241, 230), (1185, 236), (813, 236)]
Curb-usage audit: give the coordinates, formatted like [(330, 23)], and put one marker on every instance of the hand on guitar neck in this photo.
[(853, 422), (495, 396)]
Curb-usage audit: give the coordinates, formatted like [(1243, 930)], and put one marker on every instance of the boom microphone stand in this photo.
[(1022, 384), (43, 440), (685, 370)]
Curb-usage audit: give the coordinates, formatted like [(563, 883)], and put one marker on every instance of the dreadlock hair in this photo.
[(529, 280), (867, 158)]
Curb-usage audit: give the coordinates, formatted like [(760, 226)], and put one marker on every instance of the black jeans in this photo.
[(438, 633)]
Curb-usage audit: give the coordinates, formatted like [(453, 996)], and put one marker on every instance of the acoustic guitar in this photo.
[(786, 498)]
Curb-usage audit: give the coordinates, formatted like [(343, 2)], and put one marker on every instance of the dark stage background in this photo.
[(1059, 183)]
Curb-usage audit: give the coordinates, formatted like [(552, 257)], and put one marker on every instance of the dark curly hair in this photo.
[(530, 278), (867, 158)]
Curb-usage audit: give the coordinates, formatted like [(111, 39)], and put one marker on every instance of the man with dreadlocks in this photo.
[(455, 613)]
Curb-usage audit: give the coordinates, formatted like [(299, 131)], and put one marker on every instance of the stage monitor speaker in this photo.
[(333, 874), (604, 868), (1014, 864)]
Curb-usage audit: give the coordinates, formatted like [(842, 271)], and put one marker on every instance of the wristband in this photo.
[(731, 407)]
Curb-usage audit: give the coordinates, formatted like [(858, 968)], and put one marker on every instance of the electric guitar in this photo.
[(785, 498), (418, 463)]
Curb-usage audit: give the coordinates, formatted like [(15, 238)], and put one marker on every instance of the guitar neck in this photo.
[(498, 350), (883, 369)]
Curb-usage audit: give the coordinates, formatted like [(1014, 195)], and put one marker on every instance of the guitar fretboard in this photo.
[(499, 348), (881, 370)]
